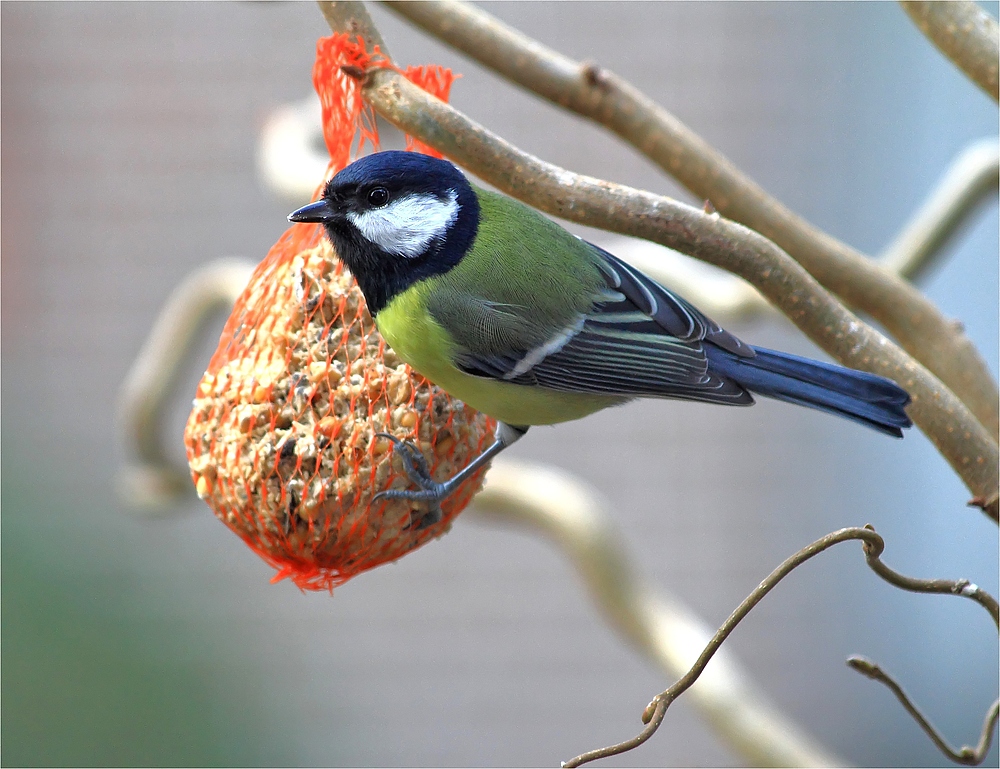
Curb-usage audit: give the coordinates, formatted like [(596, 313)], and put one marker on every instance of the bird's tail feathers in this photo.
[(857, 395)]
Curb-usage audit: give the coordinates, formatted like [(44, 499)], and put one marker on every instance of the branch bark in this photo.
[(584, 88), (964, 33)]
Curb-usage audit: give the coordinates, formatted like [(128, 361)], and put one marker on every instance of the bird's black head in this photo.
[(396, 218)]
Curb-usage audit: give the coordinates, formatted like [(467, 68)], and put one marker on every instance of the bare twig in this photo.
[(591, 91), (964, 33), (963, 587), (567, 511), (960, 438), (969, 180), (150, 478), (964, 755), (873, 546)]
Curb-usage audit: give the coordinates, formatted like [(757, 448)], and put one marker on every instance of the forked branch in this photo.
[(874, 545), (569, 514), (962, 440)]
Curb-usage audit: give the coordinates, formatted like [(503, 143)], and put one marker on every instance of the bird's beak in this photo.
[(320, 211)]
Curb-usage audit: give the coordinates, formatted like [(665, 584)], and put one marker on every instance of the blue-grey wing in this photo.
[(637, 340)]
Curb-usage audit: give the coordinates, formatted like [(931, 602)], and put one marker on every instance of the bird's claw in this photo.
[(417, 470), (416, 465)]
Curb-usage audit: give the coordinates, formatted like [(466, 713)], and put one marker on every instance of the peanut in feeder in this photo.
[(283, 439)]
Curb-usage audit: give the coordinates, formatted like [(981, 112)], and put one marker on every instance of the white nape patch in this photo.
[(536, 355), (407, 226)]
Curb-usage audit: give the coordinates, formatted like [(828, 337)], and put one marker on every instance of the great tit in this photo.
[(511, 313)]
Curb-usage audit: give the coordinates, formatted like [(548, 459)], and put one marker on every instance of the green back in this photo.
[(524, 278)]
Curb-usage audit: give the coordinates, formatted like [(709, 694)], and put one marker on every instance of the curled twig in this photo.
[(598, 94), (568, 513), (964, 755), (960, 438), (873, 546), (964, 33)]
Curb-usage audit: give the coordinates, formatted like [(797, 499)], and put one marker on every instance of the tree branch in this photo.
[(873, 546), (964, 33), (944, 419), (598, 94)]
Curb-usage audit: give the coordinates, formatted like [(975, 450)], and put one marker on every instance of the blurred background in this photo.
[(129, 160)]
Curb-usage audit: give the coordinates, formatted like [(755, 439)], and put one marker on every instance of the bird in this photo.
[(506, 310)]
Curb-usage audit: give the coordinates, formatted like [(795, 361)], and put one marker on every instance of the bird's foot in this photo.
[(429, 491)]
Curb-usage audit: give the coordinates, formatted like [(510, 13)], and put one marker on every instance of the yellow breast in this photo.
[(420, 341)]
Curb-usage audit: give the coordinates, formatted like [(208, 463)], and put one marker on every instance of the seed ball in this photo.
[(282, 440)]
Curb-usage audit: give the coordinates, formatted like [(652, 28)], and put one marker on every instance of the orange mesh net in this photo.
[(282, 439)]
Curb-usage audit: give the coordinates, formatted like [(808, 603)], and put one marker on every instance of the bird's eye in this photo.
[(378, 197)]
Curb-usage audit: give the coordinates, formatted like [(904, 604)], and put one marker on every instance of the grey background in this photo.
[(128, 160)]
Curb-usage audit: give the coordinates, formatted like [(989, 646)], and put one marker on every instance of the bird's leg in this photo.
[(416, 469)]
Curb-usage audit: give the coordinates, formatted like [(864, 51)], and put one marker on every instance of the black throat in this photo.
[(382, 275)]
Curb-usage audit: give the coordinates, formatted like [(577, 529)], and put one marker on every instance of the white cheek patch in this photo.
[(406, 227)]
